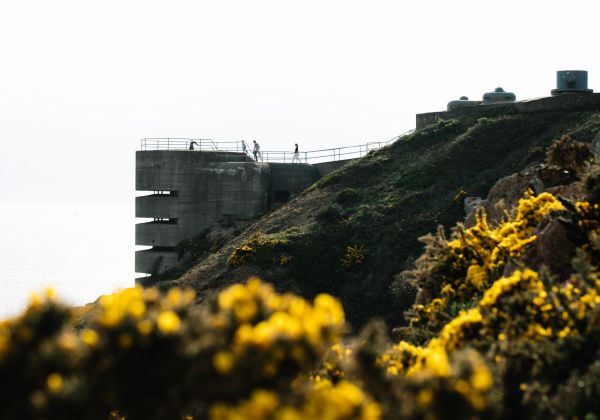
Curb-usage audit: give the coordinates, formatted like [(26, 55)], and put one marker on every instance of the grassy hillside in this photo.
[(353, 231)]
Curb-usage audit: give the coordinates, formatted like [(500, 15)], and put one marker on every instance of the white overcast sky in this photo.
[(81, 82)]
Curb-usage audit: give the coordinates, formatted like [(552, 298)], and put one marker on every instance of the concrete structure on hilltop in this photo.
[(571, 93), (191, 190), (565, 102)]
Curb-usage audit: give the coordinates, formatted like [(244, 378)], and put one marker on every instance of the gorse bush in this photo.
[(454, 273), (355, 255), (536, 329), (255, 249), (569, 153), (488, 337), (152, 356)]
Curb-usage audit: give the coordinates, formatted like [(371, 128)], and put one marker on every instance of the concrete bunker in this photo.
[(191, 190), (571, 92)]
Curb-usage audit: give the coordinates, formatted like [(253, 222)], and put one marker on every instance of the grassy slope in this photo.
[(385, 202)]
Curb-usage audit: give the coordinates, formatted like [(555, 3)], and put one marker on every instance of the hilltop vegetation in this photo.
[(354, 231)]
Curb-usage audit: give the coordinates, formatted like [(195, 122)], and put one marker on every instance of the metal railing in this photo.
[(322, 155), (181, 143), (312, 156)]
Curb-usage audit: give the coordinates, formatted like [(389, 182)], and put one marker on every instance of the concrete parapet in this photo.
[(160, 170), (565, 101)]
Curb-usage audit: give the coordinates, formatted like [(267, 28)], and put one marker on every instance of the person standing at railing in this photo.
[(192, 145), (296, 155), (244, 148), (256, 151)]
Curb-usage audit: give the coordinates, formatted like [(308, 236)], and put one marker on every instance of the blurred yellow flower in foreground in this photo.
[(89, 337), (168, 322), (54, 383)]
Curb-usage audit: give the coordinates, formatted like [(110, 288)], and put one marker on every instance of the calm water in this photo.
[(81, 251)]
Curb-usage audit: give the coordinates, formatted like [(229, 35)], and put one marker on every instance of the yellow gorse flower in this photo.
[(127, 303), (223, 362), (246, 251), (168, 322), (54, 383), (89, 337), (343, 400)]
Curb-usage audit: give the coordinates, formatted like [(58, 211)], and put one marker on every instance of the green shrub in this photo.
[(331, 214), (348, 197), (569, 154)]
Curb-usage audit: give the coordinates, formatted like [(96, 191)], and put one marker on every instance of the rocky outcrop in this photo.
[(505, 194)]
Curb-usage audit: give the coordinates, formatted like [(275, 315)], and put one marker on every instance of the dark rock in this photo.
[(507, 192), (471, 204), (552, 176), (552, 248)]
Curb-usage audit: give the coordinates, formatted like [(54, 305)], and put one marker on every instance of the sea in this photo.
[(82, 251)]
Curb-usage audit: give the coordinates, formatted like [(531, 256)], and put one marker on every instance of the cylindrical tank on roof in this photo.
[(571, 81), (498, 95), (459, 103)]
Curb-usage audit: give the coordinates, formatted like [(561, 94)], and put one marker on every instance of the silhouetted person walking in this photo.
[(256, 151), (296, 155)]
